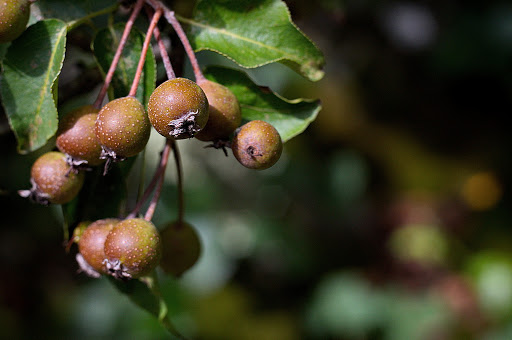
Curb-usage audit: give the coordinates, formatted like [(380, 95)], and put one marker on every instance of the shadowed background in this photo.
[(387, 219)]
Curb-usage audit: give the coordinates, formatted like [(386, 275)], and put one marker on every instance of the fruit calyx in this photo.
[(185, 126), (35, 195)]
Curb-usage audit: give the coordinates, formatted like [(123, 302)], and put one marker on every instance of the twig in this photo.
[(179, 185), (156, 178), (163, 51), (117, 55), (163, 164), (171, 18), (145, 47)]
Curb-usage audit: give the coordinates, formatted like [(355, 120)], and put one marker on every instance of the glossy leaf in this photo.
[(105, 45), (145, 293), (70, 11), (254, 33), (289, 117), (31, 66)]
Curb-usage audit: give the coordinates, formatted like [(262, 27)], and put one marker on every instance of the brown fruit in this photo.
[(133, 248), (257, 145), (178, 108), (77, 137), (52, 180), (180, 248), (224, 112), (14, 15), (92, 242), (122, 128)]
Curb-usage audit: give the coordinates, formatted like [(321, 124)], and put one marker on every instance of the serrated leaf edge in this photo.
[(44, 88), (315, 75)]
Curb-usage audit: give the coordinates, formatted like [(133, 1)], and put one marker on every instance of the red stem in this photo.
[(156, 178), (163, 51), (117, 55), (171, 18), (179, 185), (145, 47), (161, 170)]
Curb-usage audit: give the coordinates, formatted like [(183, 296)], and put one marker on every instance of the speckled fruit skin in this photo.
[(50, 173), (92, 242), (224, 112), (123, 126), (134, 247), (14, 15), (178, 108), (181, 248), (77, 137), (257, 145)]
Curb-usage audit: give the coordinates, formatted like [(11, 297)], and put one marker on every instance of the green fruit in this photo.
[(257, 145), (224, 112), (53, 181), (77, 137), (132, 248), (14, 15), (122, 128), (92, 242), (178, 108), (180, 248)]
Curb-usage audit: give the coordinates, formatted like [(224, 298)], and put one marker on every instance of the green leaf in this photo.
[(70, 11), (101, 196), (3, 51), (289, 117), (145, 293), (105, 45), (254, 33), (31, 66)]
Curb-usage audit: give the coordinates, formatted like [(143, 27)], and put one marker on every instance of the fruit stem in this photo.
[(171, 18), (179, 185), (163, 51), (145, 47), (163, 316), (156, 178), (158, 190), (117, 55)]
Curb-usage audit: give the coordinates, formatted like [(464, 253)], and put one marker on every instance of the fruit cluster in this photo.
[(95, 135)]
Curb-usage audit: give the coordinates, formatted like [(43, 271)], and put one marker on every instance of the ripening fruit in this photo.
[(92, 242), (79, 230), (133, 248), (257, 145), (14, 15), (178, 108), (52, 180), (122, 128), (224, 112), (77, 137), (180, 248)]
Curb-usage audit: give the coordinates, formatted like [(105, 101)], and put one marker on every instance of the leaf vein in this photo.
[(240, 37), (42, 93)]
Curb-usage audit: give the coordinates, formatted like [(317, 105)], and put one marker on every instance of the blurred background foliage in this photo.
[(389, 218)]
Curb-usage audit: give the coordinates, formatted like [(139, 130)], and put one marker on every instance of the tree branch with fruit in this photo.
[(96, 143)]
